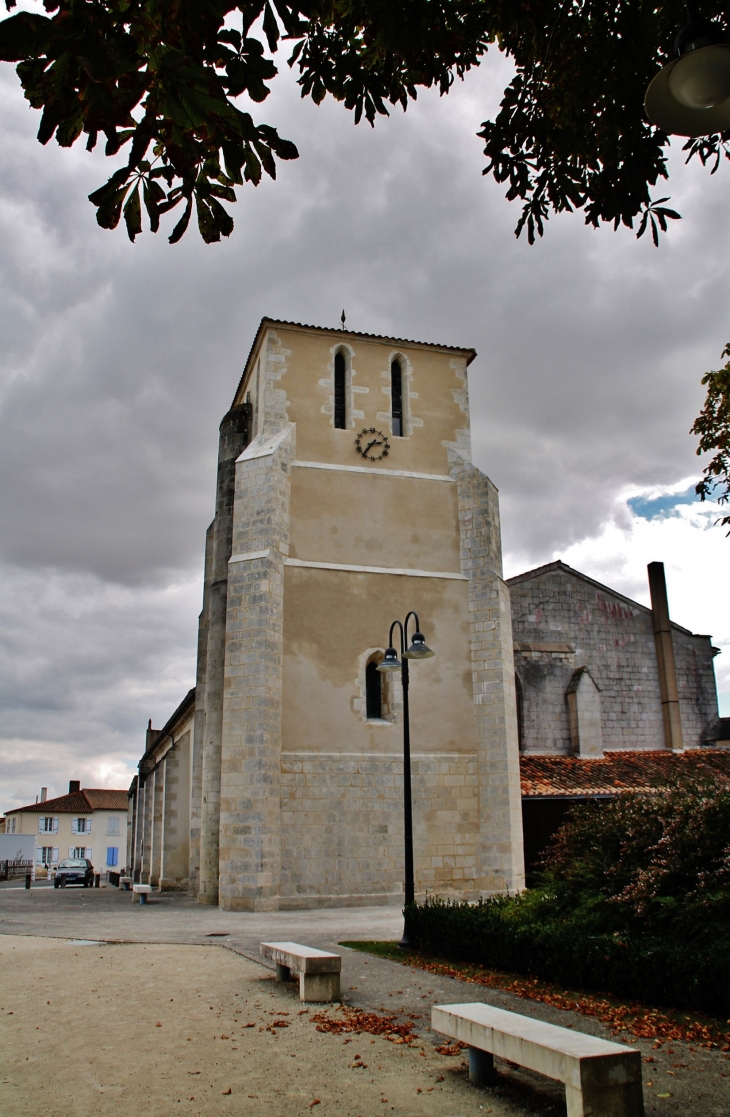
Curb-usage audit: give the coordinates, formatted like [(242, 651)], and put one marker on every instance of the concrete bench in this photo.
[(601, 1078), (319, 972), (124, 883), (143, 891)]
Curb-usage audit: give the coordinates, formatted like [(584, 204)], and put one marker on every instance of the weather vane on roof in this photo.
[(342, 319)]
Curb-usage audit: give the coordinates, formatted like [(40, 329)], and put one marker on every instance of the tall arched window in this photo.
[(373, 691), (340, 396), (396, 397)]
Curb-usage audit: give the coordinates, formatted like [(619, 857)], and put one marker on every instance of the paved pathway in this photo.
[(698, 1081)]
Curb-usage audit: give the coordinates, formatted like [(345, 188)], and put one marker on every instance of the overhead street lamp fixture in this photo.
[(417, 650), (691, 95)]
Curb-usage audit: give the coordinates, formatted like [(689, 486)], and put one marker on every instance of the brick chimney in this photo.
[(44, 794), (665, 656), (74, 785)]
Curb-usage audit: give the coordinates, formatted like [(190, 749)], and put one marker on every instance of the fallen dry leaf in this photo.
[(315, 1102), (637, 1020), (451, 1048), (228, 1091), (354, 1020)]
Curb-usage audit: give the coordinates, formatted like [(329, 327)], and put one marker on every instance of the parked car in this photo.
[(76, 870)]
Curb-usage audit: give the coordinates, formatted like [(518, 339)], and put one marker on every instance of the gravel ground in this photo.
[(696, 1080)]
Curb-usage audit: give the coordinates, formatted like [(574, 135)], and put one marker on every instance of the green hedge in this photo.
[(633, 899), (648, 968)]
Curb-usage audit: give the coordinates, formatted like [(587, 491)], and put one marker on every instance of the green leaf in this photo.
[(133, 214), (25, 35), (109, 212), (183, 223), (271, 27), (153, 194)]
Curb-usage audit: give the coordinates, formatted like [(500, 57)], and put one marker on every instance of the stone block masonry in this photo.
[(250, 835), (501, 858), (563, 621), (342, 827)]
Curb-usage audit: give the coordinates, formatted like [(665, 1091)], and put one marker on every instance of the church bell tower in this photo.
[(347, 497)]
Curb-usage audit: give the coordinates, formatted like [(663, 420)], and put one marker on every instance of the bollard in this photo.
[(27, 880), (97, 880)]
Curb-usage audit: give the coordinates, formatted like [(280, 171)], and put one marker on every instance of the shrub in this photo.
[(633, 898)]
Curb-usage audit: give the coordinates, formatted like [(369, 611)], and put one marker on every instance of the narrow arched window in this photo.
[(340, 406), (396, 397), (373, 691)]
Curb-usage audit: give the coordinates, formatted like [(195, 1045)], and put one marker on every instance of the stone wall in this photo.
[(561, 621), (342, 824), (251, 746), (175, 856), (500, 858)]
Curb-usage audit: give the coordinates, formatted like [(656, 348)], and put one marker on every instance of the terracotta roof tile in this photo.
[(83, 802), (628, 770)]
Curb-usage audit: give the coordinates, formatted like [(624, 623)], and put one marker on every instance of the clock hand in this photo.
[(375, 442)]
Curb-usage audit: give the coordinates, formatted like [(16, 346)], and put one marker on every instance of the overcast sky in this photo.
[(119, 360)]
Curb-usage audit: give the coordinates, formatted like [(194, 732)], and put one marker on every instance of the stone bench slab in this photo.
[(601, 1078), (318, 970)]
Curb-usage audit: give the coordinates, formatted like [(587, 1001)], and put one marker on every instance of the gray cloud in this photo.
[(118, 361)]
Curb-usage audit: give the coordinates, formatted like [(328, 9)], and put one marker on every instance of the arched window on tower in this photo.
[(373, 691), (340, 391), (396, 397)]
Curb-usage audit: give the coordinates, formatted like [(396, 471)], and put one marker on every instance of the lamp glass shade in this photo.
[(391, 661), (691, 96), (701, 79), (418, 648)]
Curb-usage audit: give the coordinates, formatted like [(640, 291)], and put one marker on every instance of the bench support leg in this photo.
[(143, 897), (319, 987), (481, 1067), (283, 973), (599, 1100)]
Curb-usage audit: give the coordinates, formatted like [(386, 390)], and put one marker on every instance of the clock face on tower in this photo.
[(372, 444)]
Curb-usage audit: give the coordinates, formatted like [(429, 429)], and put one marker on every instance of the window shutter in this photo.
[(55, 853), (41, 825), (71, 851), (55, 826), (88, 852)]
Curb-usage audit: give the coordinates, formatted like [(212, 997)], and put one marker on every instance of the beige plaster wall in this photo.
[(371, 520), (434, 389), (98, 840), (332, 620)]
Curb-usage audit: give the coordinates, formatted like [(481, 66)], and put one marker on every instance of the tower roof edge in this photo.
[(337, 331)]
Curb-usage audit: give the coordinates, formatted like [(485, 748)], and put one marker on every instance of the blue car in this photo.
[(76, 870)]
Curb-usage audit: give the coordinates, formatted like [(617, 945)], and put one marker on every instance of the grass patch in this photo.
[(388, 949)]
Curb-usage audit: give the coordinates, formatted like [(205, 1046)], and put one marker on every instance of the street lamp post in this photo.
[(417, 650)]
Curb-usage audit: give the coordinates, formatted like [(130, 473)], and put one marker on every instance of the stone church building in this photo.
[(346, 497)]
